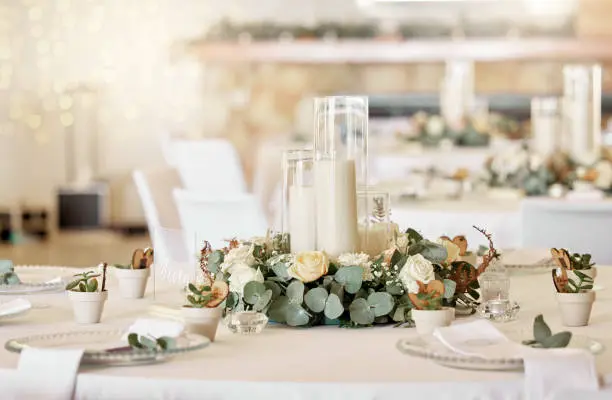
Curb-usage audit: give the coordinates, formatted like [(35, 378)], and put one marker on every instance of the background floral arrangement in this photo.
[(308, 288)]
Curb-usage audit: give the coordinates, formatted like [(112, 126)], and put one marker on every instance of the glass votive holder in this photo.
[(495, 295), (246, 322)]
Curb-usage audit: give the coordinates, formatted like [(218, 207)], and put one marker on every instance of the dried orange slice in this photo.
[(220, 290)]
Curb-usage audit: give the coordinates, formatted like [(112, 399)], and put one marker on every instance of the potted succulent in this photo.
[(428, 312), (203, 310), (133, 277), (575, 294), (582, 263), (88, 296)]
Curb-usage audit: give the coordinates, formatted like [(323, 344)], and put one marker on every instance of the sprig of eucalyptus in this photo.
[(150, 343), (543, 337)]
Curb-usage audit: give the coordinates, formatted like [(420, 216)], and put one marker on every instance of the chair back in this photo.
[(210, 165), (218, 218), (578, 226)]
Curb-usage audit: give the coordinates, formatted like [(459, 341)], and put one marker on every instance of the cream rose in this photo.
[(242, 275), (416, 269), (309, 266), (452, 250)]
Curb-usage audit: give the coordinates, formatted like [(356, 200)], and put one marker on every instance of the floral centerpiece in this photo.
[(309, 288)]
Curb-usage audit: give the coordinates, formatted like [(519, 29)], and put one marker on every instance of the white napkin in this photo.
[(550, 372), (156, 328), (477, 339), (547, 371), (48, 374), (14, 307)]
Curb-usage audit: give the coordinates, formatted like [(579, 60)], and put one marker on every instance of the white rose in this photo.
[(416, 269), (435, 126), (349, 259), (309, 266), (452, 250), (241, 276), (238, 257)]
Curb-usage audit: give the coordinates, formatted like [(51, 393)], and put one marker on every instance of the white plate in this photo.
[(430, 348), (16, 312), (98, 343), (38, 279)]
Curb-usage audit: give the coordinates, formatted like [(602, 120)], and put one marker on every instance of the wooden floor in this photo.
[(75, 249)]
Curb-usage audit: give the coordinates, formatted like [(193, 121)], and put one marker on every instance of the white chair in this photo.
[(209, 165), (155, 191), (580, 227), (217, 218)]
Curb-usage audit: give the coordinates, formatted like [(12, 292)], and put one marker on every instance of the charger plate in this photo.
[(38, 279), (430, 348), (105, 347)]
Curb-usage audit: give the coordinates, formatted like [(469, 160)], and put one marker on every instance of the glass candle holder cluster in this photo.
[(327, 204)]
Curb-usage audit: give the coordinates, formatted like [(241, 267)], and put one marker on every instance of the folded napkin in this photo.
[(156, 328), (477, 339), (48, 374), (14, 307), (551, 372)]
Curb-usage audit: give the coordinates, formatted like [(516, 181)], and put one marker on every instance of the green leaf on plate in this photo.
[(557, 340), (541, 330)]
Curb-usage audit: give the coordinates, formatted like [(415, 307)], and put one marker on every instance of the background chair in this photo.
[(155, 191), (217, 218), (209, 165), (580, 227)]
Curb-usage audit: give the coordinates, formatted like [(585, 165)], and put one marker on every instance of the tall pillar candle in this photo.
[(301, 218), (336, 206)]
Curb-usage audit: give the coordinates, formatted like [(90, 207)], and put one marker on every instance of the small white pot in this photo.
[(87, 306), (132, 282), (469, 257), (202, 321), (575, 308), (428, 320)]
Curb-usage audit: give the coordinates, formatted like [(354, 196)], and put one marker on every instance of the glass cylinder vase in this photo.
[(298, 201), (582, 85), (340, 166)]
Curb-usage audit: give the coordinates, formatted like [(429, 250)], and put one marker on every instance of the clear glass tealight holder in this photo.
[(246, 322), (496, 304)]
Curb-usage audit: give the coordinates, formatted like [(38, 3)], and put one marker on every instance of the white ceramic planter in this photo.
[(132, 282), (87, 306), (575, 308), (428, 320), (202, 321)]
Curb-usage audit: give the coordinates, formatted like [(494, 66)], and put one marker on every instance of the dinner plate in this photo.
[(105, 347), (432, 349), (38, 279)]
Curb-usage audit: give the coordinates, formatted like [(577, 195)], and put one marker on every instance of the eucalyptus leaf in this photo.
[(278, 309), (449, 288), (232, 300), (253, 291), (280, 269), (215, 259), (557, 340), (295, 292), (316, 298), (263, 300), (381, 303), (274, 287), (296, 315), (541, 330), (433, 252), (413, 235), (360, 312), (333, 307), (337, 289), (350, 277)]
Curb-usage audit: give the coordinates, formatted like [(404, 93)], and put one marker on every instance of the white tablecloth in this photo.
[(285, 363), (434, 218)]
